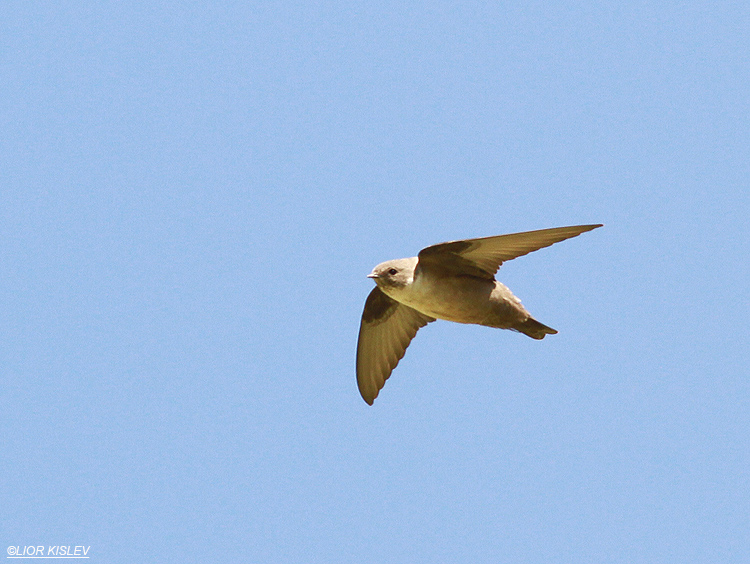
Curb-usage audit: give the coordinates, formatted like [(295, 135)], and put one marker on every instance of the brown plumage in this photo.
[(454, 281)]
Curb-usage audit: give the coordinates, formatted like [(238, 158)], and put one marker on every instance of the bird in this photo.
[(454, 281)]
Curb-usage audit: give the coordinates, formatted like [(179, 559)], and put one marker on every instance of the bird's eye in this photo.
[(392, 271)]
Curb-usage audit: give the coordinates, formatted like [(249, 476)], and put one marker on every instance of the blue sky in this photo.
[(191, 196)]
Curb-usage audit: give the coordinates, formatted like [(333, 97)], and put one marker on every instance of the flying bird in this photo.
[(454, 281)]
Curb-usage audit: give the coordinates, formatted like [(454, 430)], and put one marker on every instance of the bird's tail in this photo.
[(534, 329)]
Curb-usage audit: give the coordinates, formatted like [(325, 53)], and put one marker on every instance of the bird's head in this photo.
[(394, 274)]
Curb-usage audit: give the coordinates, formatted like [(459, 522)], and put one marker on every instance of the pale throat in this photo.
[(404, 294), (417, 293)]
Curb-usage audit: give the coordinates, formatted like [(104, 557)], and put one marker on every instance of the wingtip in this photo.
[(368, 397), (589, 227)]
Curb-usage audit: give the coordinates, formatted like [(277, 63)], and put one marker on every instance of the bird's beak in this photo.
[(373, 275)]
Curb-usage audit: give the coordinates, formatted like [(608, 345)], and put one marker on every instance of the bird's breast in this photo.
[(463, 299)]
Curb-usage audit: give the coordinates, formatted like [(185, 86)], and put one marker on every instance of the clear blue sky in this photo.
[(192, 194)]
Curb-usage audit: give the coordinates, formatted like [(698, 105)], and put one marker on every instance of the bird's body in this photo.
[(459, 299), (454, 281), (462, 299)]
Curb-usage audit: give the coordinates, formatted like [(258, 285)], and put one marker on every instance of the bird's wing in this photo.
[(482, 257), (387, 329)]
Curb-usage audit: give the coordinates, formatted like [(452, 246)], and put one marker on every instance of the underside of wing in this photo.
[(482, 257), (386, 330)]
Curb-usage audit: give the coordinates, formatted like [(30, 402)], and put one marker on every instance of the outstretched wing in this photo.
[(482, 257), (386, 330)]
